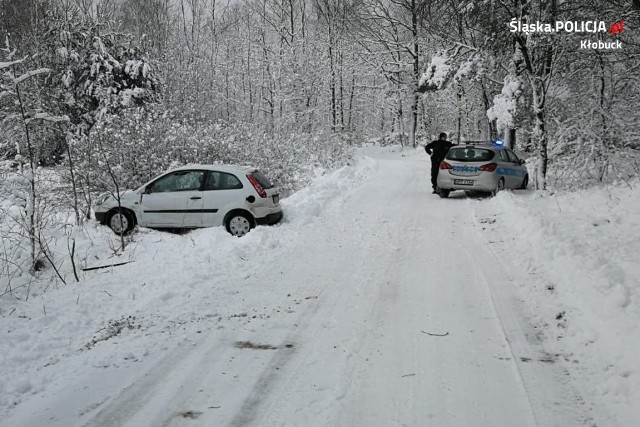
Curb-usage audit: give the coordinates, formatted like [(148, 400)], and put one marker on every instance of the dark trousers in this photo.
[(435, 167)]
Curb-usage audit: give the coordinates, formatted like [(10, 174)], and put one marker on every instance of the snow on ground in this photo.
[(178, 285), (374, 303), (578, 257)]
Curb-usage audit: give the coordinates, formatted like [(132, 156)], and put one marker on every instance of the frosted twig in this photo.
[(435, 335)]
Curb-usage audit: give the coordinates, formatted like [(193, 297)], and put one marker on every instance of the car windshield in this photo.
[(264, 182), (470, 154)]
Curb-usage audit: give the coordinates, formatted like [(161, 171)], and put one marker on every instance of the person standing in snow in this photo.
[(438, 151)]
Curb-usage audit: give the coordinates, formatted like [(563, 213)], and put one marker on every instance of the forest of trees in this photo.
[(342, 69)]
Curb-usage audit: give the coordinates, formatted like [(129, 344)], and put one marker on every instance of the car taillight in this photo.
[(252, 179), (489, 167), (445, 165)]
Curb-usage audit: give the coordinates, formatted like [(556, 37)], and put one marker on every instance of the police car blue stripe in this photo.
[(510, 172)]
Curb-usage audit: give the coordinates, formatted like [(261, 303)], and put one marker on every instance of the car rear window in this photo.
[(221, 181), (264, 182), (470, 154)]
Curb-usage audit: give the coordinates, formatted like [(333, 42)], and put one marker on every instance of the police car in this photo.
[(481, 166)]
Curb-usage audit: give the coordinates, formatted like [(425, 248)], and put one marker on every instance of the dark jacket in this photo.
[(438, 150)]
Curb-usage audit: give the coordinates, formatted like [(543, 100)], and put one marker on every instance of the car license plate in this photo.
[(463, 181), (276, 198)]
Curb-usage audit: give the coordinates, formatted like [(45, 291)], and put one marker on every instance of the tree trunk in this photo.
[(510, 138), (401, 120), (332, 83), (414, 119), (459, 120), (341, 93), (540, 136), (353, 90), (491, 124), (416, 73), (74, 187), (31, 203)]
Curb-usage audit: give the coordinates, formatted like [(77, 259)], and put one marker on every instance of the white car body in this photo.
[(481, 167), (196, 196)]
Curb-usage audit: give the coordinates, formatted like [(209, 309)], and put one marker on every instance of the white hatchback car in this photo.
[(195, 196), (485, 167)]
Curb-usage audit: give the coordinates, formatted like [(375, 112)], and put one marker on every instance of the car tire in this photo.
[(443, 193), (525, 183), (499, 188), (121, 221), (239, 223)]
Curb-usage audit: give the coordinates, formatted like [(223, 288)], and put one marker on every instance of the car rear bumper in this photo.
[(484, 182), (270, 219)]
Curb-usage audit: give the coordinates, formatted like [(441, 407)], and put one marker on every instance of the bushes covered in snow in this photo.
[(143, 143), (577, 164)]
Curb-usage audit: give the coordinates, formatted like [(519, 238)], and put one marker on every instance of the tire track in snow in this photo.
[(416, 280), (360, 379), (262, 406), (435, 393), (561, 406)]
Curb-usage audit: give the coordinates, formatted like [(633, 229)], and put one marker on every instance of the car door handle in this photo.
[(196, 198)]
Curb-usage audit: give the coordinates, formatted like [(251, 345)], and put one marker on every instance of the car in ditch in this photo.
[(238, 198), (483, 167)]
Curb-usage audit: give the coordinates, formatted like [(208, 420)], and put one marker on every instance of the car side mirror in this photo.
[(521, 162), (148, 189)]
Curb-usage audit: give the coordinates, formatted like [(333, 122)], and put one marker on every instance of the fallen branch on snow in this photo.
[(435, 335), (106, 266)]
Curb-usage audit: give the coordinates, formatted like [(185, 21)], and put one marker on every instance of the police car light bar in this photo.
[(476, 142)]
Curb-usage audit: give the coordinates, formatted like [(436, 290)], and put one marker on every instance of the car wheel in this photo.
[(443, 193), (499, 188), (525, 183), (239, 224), (121, 221)]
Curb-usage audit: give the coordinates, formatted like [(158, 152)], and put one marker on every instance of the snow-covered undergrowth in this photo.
[(576, 255), (140, 145), (173, 286), (51, 221), (570, 169)]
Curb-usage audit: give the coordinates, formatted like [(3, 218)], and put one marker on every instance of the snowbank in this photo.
[(174, 286), (580, 253)]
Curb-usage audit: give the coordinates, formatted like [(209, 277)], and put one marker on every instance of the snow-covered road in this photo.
[(375, 304)]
